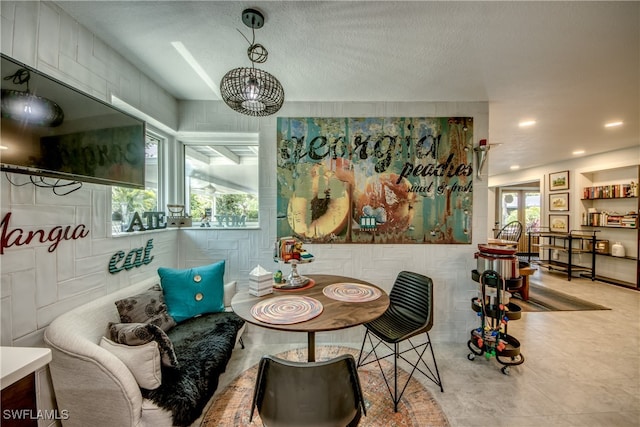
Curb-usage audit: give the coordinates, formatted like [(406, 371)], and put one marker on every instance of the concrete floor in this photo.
[(582, 368)]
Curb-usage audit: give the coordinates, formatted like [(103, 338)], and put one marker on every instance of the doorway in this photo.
[(519, 203)]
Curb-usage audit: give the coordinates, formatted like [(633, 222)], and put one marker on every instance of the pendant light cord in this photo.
[(253, 31), (55, 186), (20, 77), (251, 43)]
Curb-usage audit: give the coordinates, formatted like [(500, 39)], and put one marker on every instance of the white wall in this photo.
[(38, 285), (627, 160), (448, 265), (42, 36), (608, 160)]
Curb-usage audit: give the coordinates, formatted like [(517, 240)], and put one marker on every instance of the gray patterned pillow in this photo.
[(142, 333), (147, 307)]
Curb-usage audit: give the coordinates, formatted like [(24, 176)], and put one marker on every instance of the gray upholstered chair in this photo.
[(410, 314), (295, 394)]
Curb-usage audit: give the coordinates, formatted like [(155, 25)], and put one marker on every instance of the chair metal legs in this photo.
[(394, 348)]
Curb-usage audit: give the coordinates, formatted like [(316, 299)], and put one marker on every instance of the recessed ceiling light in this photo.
[(514, 167), (526, 123), (3, 147), (612, 124), (578, 152)]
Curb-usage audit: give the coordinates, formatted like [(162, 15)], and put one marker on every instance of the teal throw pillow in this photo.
[(193, 291)]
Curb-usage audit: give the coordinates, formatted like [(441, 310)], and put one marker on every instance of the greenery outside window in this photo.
[(520, 205), (221, 182), (126, 201)]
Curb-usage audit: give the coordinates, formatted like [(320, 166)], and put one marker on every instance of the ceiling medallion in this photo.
[(249, 90)]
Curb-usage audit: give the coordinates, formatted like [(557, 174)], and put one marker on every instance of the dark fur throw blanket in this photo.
[(203, 347)]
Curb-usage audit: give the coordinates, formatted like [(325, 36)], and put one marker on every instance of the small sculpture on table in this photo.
[(289, 250)]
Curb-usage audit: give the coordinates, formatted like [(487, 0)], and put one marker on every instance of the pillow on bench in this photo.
[(142, 360), (134, 334), (146, 307), (193, 291)]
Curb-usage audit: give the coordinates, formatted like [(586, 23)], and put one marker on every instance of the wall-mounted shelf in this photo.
[(610, 205), (609, 198), (609, 226), (610, 191)]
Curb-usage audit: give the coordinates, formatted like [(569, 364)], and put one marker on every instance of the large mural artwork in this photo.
[(375, 180)]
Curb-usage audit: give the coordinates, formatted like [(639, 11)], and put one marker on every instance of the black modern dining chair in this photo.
[(294, 394), (410, 314)]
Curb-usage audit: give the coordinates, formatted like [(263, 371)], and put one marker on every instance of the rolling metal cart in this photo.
[(491, 338)]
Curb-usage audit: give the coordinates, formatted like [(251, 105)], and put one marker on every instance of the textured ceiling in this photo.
[(571, 66)]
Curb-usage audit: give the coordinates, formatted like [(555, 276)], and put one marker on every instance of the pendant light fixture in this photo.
[(210, 190), (23, 106), (249, 90)]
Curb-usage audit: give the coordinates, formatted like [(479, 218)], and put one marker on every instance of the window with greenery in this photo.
[(519, 205), (221, 181), (126, 201)]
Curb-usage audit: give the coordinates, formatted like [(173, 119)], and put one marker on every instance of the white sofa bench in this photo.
[(90, 382)]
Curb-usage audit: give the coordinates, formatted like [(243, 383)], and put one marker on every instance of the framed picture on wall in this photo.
[(559, 201), (559, 181), (559, 223)]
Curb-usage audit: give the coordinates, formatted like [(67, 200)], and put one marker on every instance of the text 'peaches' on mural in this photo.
[(375, 180)]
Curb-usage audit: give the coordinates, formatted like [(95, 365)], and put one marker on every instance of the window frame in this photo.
[(521, 194), (161, 142), (221, 139)]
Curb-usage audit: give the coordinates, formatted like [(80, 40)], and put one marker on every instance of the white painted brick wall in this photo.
[(38, 285), (448, 265), (72, 54)]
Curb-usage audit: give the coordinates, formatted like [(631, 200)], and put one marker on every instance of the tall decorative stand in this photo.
[(295, 279)]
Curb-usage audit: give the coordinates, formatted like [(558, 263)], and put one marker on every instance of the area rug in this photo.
[(417, 407), (544, 299)]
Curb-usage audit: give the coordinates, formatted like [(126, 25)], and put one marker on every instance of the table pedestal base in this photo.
[(311, 346)]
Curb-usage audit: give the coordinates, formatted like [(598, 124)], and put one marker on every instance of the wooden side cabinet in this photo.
[(19, 408), (18, 366)]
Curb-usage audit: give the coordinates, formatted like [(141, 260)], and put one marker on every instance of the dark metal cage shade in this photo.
[(26, 107), (252, 91), (29, 108)]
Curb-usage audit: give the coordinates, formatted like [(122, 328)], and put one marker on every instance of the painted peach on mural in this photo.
[(325, 212), (390, 201), (375, 179)]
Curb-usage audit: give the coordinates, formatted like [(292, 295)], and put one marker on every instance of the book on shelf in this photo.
[(629, 221), (613, 191), (605, 219)]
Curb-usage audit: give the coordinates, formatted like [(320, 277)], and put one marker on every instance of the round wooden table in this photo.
[(335, 314)]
